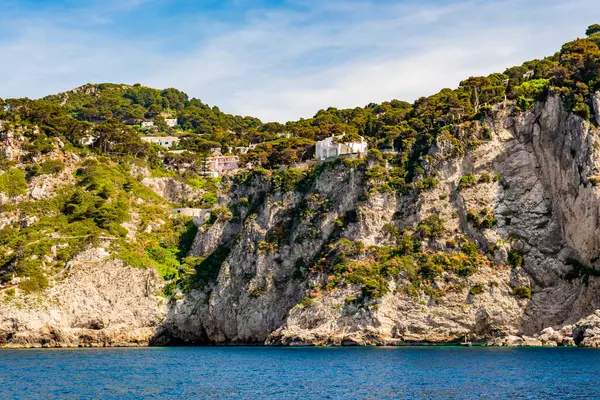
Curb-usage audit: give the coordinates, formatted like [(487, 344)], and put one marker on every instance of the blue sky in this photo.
[(277, 60)]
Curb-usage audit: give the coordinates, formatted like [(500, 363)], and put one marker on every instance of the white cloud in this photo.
[(283, 64)]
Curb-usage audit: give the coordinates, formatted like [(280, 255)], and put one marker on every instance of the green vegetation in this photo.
[(106, 197), (484, 178), (80, 215), (515, 258), (13, 183), (48, 167), (351, 263), (287, 179), (476, 289), (483, 219), (467, 181), (307, 302), (592, 30), (523, 292), (432, 227)]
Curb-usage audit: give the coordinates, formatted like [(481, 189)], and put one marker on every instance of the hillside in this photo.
[(474, 214)]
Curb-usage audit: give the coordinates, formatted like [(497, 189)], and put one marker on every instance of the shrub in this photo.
[(376, 173), (35, 279), (431, 227), (466, 181), (485, 178), (483, 219), (428, 184), (476, 289), (429, 270), (390, 229), (470, 249), (266, 247), (307, 302), (524, 103), (515, 258), (487, 133), (13, 182), (256, 292), (523, 292), (287, 179), (221, 214), (473, 217), (51, 167), (489, 221), (209, 199), (374, 155)]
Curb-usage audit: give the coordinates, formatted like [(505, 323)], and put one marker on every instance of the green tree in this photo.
[(592, 29), (160, 123)]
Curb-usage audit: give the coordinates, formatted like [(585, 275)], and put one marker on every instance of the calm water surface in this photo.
[(301, 373)]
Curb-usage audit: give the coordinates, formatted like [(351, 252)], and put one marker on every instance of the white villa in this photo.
[(171, 122), (328, 148), (199, 215), (147, 124), (163, 141), (244, 150), (88, 140)]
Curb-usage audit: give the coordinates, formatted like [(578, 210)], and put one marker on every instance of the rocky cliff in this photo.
[(534, 178), (98, 302), (496, 241)]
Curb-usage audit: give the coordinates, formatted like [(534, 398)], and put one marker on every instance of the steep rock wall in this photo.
[(546, 206), (97, 302)]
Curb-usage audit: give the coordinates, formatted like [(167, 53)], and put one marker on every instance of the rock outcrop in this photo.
[(97, 302)]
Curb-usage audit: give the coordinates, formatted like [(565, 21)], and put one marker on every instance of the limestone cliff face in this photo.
[(537, 176), (546, 205), (97, 302)]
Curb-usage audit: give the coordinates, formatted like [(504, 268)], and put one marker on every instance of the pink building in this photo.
[(222, 165)]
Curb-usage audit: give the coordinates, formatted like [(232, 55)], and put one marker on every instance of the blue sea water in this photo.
[(301, 373)]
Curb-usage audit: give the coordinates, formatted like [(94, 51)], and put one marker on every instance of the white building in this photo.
[(171, 122), (88, 140), (329, 148), (176, 151), (164, 141), (199, 215), (147, 124), (244, 150)]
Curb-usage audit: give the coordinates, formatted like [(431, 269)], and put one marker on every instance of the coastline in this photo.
[(528, 343)]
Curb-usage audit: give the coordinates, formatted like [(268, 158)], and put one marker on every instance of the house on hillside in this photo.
[(171, 122), (163, 141), (88, 140), (244, 150), (221, 165), (330, 148), (147, 124), (199, 215)]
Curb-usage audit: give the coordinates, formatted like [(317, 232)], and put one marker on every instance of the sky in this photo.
[(277, 60)]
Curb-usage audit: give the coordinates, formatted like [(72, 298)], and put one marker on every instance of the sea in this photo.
[(301, 373)]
